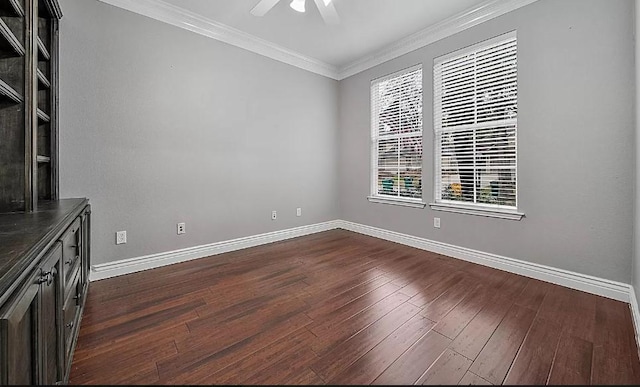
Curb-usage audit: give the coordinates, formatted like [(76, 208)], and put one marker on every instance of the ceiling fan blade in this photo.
[(263, 7), (328, 12)]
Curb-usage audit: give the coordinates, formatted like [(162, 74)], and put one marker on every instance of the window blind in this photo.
[(475, 123), (396, 135)]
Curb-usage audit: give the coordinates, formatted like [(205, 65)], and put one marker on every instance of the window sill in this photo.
[(476, 210), (397, 202)]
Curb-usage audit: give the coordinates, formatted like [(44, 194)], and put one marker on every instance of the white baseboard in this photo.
[(583, 282), (587, 283), (132, 265), (635, 315)]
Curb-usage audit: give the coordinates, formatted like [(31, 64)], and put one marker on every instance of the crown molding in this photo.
[(182, 18), (457, 23)]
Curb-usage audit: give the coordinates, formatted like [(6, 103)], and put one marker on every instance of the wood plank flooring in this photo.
[(342, 308)]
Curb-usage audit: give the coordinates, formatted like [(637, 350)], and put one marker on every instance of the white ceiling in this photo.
[(366, 26)]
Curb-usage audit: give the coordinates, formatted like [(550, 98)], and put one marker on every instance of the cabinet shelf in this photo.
[(8, 93), (10, 46), (29, 106), (43, 117), (43, 81), (43, 53), (11, 8)]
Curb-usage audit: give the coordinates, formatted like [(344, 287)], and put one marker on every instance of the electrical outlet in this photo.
[(436, 222), (298, 211), (182, 228), (121, 237), (274, 215)]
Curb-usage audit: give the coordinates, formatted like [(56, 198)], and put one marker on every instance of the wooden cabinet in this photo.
[(28, 103), (41, 309), (44, 240), (18, 333), (50, 298), (30, 330)]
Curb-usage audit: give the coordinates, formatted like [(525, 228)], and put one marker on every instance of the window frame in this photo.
[(374, 195), (463, 207)]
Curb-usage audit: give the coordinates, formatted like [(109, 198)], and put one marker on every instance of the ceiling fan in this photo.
[(326, 8)]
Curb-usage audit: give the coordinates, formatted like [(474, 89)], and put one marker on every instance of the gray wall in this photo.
[(160, 125), (636, 224), (575, 138)]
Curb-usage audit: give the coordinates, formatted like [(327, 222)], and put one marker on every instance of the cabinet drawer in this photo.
[(70, 314), (71, 250), (70, 286)]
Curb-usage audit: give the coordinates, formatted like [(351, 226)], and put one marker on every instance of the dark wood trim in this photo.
[(9, 38), (53, 8), (55, 122), (9, 92), (42, 80), (43, 53), (11, 8), (42, 116), (31, 106)]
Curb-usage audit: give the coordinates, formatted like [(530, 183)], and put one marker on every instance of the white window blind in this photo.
[(475, 123), (396, 135)]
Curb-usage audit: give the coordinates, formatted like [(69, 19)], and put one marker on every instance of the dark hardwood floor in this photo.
[(342, 308)]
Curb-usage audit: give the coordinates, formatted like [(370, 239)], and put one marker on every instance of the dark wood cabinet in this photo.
[(29, 326), (19, 332), (44, 274), (28, 103), (44, 240), (50, 304)]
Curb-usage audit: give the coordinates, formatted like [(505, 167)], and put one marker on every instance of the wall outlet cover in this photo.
[(121, 237)]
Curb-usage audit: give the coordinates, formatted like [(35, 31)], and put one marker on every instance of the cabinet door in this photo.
[(71, 250), (50, 317), (18, 336)]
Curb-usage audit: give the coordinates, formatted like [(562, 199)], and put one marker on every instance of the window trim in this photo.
[(480, 209), (374, 196), (404, 202), (477, 209)]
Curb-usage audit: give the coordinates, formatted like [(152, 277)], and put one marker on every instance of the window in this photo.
[(475, 124), (396, 138)]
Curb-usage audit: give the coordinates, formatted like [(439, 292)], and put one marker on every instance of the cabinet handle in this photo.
[(47, 277), (44, 277)]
